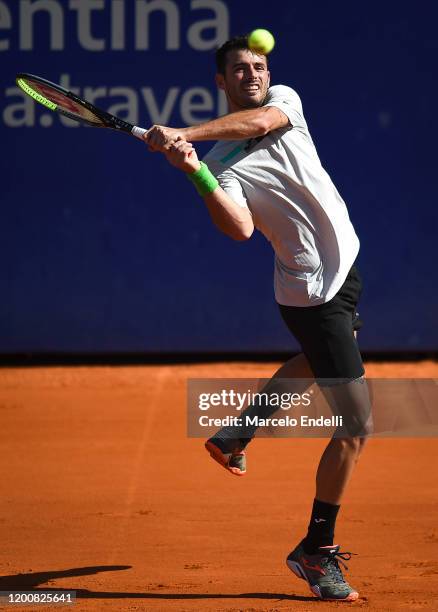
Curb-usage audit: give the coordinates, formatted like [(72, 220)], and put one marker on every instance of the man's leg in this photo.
[(350, 400), (336, 467), (228, 444), (316, 558), (295, 376), (326, 334)]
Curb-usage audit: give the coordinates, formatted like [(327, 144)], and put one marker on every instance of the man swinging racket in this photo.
[(264, 173)]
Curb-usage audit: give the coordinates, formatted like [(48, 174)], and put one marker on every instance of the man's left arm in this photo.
[(240, 125)]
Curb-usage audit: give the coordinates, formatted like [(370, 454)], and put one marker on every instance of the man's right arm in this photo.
[(233, 220), (240, 125)]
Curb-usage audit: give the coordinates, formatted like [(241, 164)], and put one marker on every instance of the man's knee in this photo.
[(353, 444), (361, 443), (352, 402)]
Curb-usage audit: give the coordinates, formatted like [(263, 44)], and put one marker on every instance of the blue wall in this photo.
[(105, 247)]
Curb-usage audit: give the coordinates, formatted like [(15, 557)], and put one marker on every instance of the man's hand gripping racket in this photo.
[(182, 155), (169, 141)]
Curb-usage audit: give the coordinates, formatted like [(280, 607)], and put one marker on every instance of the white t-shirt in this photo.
[(293, 202)]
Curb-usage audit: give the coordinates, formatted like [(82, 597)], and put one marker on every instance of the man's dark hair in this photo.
[(238, 42)]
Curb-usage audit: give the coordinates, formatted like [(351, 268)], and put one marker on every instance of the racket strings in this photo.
[(55, 99)]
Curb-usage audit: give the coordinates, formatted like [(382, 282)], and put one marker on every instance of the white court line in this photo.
[(152, 401)]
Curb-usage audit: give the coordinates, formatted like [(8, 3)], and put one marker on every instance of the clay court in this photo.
[(103, 493)]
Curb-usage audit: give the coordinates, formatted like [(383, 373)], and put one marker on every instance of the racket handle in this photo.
[(138, 132)]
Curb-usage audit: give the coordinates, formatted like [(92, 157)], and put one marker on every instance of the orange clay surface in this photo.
[(102, 492)]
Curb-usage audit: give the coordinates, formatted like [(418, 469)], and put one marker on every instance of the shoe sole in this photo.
[(222, 459), (296, 569)]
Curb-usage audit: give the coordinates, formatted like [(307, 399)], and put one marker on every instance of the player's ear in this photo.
[(220, 81), (269, 78)]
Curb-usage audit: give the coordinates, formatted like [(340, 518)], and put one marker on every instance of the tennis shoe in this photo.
[(232, 458), (322, 572)]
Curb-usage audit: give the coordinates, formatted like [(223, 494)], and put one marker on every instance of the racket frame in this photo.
[(107, 119)]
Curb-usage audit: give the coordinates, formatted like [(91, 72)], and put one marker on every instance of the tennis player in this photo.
[(264, 173)]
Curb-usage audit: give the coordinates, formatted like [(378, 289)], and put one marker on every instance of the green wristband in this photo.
[(203, 180)]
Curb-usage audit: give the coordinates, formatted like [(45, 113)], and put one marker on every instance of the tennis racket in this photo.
[(67, 103)]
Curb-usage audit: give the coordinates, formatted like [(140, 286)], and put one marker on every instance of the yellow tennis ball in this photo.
[(261, 41)]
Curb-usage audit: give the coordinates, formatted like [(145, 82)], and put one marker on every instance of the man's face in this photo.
[(246, 79)]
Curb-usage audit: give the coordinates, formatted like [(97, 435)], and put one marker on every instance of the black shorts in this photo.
[(325, 333)]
